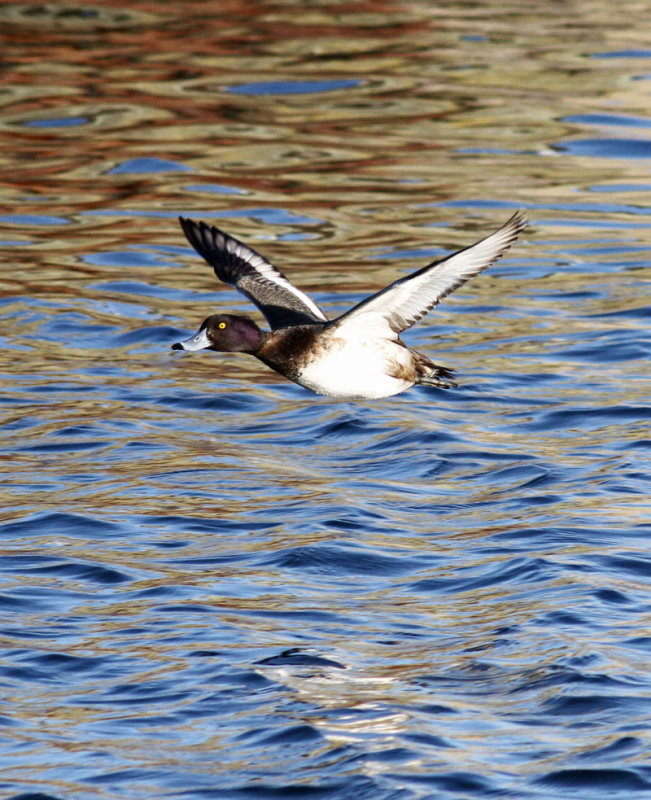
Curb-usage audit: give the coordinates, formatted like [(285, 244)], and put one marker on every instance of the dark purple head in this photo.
[(226, 333)]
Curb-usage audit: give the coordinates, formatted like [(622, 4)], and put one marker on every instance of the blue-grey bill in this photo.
[(197, 342)]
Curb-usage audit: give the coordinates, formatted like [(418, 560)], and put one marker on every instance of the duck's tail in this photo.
[(431, 374)]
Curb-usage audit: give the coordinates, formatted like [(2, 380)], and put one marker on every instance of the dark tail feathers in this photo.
[(431, 374)]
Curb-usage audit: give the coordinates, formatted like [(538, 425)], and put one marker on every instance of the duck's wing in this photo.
[(234, 263), (404, 302)]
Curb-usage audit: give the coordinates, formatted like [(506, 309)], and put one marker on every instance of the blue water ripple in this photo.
[(57, 122), (606, 148), (293, 87), (148, 164)]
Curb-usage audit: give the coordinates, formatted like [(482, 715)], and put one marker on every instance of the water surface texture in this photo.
[(218, 585)]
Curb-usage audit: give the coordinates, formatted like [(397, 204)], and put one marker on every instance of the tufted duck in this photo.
[(357, 356)]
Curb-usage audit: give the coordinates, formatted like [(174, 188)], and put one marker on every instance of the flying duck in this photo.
[(358, 355)]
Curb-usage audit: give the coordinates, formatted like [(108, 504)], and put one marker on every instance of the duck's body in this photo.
[(359, 355), (348, 368)]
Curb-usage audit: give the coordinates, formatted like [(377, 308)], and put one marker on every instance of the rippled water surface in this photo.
[(218, 585)]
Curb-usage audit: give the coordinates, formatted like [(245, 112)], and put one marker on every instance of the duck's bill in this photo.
[(197, 342)]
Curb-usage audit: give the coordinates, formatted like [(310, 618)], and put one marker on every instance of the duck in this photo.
[(356, 356)]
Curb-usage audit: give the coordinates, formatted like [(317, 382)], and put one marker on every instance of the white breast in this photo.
[(356, 370)]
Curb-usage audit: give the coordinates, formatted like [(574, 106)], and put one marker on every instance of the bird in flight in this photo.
[(357, 356)]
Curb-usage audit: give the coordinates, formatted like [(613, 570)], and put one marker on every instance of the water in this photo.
[(215, 584)]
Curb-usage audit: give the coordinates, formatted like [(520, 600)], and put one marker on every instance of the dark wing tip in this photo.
[(200, 235), (517, 222), (192, 231), (188, 225), (216, 247), (510, 231)]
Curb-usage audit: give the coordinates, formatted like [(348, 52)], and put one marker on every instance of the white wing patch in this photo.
[(269, 273), (404, 302)]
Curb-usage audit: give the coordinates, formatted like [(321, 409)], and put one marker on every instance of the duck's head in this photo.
[(226, 333)]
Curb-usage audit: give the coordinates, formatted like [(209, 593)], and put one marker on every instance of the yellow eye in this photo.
[(221, 326)]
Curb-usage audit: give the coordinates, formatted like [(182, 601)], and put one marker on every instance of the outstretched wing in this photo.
[(404, 302), (238, 265)]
